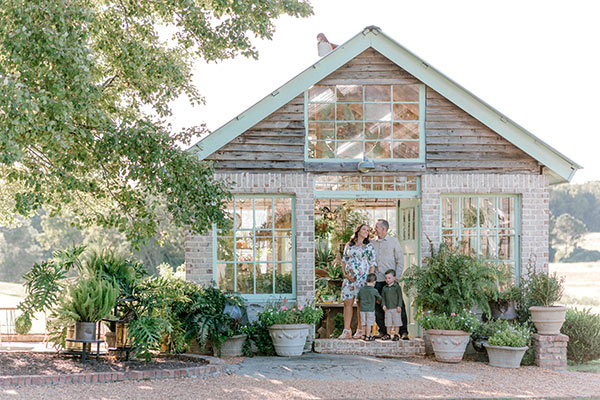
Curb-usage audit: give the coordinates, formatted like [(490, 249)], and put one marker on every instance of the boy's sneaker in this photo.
[(395, 338)]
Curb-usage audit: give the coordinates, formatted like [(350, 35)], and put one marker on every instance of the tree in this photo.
[(568, 230), (85, 88)]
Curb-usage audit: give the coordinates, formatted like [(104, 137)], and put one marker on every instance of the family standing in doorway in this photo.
[(382, 262)]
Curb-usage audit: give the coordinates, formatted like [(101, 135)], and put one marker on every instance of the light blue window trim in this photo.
[(363, 187), (245, 232), (456, 231), (421, 123)]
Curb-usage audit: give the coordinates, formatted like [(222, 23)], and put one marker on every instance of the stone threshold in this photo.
[(414, 347), (215, 367)]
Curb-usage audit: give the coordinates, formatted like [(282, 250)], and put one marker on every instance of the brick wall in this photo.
[(534, 192), (198, 248)]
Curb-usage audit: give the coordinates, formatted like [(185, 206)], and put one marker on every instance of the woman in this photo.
[(357, 262)]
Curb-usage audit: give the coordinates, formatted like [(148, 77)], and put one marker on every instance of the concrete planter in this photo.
[(504, 356), (85, 330), (232, 347), (548, 320), (448, 345), (289, 339)]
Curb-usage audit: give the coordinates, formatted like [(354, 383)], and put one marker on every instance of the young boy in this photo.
[(392, 300), (367, 296)]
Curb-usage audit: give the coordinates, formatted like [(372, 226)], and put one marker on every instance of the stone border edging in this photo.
[(214, 367)]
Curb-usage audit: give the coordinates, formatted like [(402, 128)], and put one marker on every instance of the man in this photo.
[(389, 256)]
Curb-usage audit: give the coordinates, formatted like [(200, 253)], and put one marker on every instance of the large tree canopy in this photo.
[(85, 87)]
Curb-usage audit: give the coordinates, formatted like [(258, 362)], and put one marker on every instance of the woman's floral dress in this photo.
[(358, 260)]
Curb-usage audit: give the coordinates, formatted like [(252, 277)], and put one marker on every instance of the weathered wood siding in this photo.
[(455, 141)]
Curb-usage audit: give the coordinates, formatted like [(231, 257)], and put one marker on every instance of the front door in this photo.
[(409, 233)]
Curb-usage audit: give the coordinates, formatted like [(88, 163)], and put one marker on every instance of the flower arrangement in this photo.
[(290, 314), (462, 321), (511, 335)]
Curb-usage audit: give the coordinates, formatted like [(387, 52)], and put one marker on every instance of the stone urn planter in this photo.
[(504, 356), (232, 347), (289, 339), (448, 345), (548, 320), (85, 330)]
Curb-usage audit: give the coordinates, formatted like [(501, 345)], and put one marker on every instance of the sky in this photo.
[(537, 62)]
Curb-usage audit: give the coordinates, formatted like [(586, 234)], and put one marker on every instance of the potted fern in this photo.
[(89, 301)]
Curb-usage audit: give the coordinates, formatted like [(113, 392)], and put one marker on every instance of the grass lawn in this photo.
[(582, 284), (592, 366)]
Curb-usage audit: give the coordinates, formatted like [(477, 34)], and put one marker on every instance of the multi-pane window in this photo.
[(486, 226), (257, 255), (376, 183), (357, 121)]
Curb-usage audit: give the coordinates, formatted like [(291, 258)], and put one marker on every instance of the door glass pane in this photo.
[(406, 130), (349, 150), (349, 131), (375, 150), (378, 112), (283, 278), (378, 130), (404, 112), (349, 112)]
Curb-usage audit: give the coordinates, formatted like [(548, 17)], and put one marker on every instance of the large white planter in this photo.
[(289, 339), (233, 346), (504, 356), (449, 346), (548, 320)]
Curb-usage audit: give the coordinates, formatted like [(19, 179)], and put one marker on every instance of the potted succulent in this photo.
[(543, 290), (289, 326), (449, 333), (89, 301), (507, 345)]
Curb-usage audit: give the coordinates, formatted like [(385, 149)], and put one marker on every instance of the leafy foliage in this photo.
[(543, 289), (288, 314), (87, 88), (511, 335), (90, 300), (450, 281), (583, 329), (462, 321)]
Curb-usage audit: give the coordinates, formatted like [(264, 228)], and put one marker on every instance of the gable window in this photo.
[(383, 122), (256, 257), (486, 226)]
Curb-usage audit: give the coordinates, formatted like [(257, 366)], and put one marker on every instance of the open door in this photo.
[(409, 236)]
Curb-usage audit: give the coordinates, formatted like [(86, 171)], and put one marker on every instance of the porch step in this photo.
[(385, 348)]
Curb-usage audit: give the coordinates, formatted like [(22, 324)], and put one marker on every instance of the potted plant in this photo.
[(484, 331), (236, 333), (289, 326), (507, 345), (449, 333), (543, 290), (89, 301), (450, 281), (503, 302)]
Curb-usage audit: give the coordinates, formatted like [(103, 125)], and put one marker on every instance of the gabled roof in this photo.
[(561, 168)]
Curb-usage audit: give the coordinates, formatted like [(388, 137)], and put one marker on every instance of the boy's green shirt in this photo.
[(392, 296), (367, 296)]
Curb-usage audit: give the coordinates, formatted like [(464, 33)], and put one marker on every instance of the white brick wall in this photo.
[(534, 192), (198, 248)]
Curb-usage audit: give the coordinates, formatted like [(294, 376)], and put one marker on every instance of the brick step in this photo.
[(403, 348)]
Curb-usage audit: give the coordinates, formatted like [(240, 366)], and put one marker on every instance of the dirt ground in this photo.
[(480, 381)]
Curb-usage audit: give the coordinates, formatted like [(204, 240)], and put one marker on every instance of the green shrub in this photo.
[(463, 321), (451, 281), (511, 335), (543, 289), (583, 329)]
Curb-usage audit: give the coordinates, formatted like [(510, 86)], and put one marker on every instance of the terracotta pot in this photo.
[(289, 339), (504, 356), (548, 320), (448, 345)]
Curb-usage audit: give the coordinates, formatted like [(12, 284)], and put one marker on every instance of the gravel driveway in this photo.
[(319, 376)]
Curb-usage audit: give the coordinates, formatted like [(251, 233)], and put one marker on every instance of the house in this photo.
[(372, 123)]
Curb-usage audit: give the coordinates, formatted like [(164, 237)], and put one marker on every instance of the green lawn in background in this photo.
[(592, 366)]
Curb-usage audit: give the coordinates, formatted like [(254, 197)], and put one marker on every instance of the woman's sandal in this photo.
[(386, 337), (365, 338), (346, 334), (359, 334)]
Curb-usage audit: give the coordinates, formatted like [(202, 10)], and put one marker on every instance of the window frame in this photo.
[(258, 297), (421, 123), (478, 228)]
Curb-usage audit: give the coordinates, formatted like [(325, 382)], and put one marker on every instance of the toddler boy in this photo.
[(367, 296), (392, 301)]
